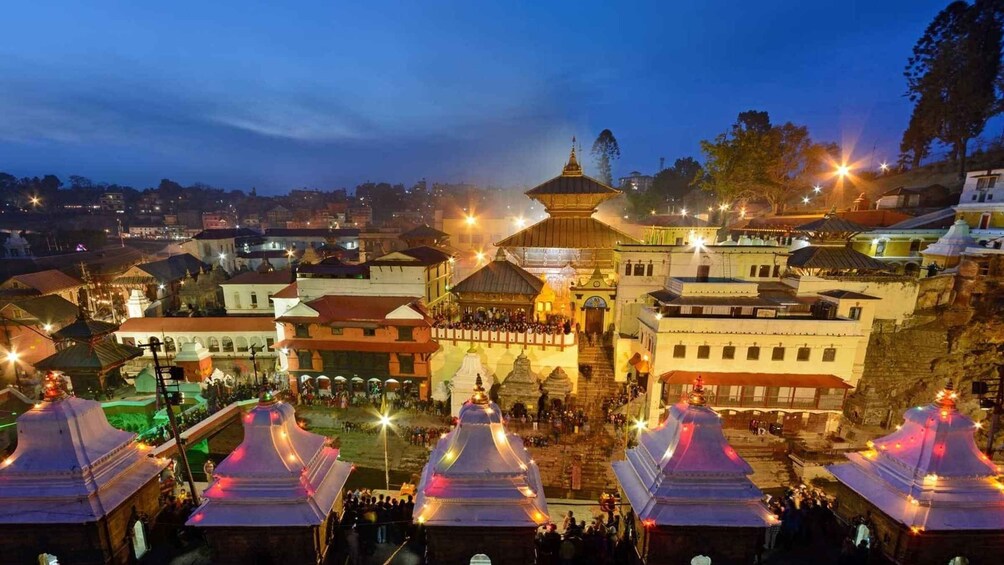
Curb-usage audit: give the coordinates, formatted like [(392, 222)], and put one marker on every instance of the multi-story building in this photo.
[(764, 352), (358, 343), (635, 181), (251, 293), (979, 220), (221, 245), (113, 202)]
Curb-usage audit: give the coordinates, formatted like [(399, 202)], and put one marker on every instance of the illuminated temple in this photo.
[(690, 490), (568, 246), (925, 493), (76, 489), (480, 492), (273, 497)]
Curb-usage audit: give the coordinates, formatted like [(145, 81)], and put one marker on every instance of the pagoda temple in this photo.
[(499, 284), (570, 243), (690, 491), (76, 489), (271, 500), (480, 492), (89, 355), (924, 493)]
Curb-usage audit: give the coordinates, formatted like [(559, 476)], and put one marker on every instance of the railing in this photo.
[(823, 402), (505, 338)]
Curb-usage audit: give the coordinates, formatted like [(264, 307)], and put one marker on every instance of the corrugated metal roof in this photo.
[(500, 276), (48, 309), (831, 223), (175, 267), (48, 282), (568, 233), (822, 257), (102, 355), (423, 231)]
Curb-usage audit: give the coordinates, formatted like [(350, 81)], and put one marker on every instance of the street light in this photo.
[(384, 423), (35, 201), (817, 189), (805, 200), (520, 222), (471, 220), (843, 170), (13, 357), (683, 212), (480, 256), (884, 166)]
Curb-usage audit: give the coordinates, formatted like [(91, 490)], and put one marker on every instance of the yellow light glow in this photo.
[(640, 424), (500, 436), (47, 327), (471, 220), (8, 461), (978, 425), (683, 212), (843, 170), (723, 207), (520, 222), (12, 356), (931, 478), (384, 420), (291, 458), (884, 166), (421, 519), (480, 256)]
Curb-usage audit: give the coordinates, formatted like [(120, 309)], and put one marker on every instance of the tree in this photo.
[(760, 160), (954, 77), (916, 143), (605, 151)]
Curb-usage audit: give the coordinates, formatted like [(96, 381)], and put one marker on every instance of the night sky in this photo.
[(328, 94)]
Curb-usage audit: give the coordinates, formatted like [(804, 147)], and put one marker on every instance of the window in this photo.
[(648, 270), (679, 351), (306, 360), (803, 354), (237, 300), (406, 364), (729, 352), (627, 270), (301, 330), (679, 241), (984, 183), (639, 270), (703, 351), (777, 271), (752, 270), (880, 248), (855, 313), (753, 353), (335, 330), (270, 300), (369, 332), (404, 333), (829, 354), (254, 299), (777, 354), (914, 246), (764, 271)]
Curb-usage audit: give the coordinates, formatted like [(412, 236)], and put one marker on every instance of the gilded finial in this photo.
[(52, 387), (479, 396), (696, 397), (946, 397), (266, 398), (572, 169)]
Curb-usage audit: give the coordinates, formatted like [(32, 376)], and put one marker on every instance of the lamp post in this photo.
[(384, 423), (254, 364)]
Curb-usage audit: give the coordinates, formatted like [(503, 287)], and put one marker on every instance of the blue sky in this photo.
[(327, 93)]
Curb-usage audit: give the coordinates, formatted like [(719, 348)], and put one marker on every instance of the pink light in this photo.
[(238, 454), (197, 518)]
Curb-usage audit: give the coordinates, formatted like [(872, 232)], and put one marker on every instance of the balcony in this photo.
[(830, 401), (560, 340), (805, 324)]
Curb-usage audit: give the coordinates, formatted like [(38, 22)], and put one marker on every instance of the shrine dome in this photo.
[(70, 465), (480, 475), (280, 475), (929, 474), (685, 473)]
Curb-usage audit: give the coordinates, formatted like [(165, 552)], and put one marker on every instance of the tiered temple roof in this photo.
[(280, 475), (929, 474), (70, 465), (684, 473), (479, 475)]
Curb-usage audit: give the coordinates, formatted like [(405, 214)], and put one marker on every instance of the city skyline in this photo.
[(276, 99)]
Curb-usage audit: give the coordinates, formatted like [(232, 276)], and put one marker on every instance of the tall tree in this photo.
[(605, 152), (954, 77), (760, 160)]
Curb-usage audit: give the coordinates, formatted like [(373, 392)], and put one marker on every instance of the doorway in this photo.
[(594, 308)]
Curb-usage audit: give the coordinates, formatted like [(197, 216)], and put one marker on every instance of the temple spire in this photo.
[(696, 397), (946, 398), (479, 396), (52, 387), (572, 169)]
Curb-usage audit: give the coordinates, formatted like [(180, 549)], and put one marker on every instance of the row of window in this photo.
[(638, 269), (753, 353), (362, 364), (404, 333), (254, 300), (764, 271)]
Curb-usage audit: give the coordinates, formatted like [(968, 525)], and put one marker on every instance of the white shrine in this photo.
[(464, 379), (926, 489), (274, 494), (96, 484), (690, 491), (480, 492)]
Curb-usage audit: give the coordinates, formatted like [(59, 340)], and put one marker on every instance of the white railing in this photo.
[(504, 338)]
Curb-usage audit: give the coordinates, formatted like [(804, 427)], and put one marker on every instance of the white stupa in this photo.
[(279, 476), (684, 473), (71, 466), (479, 475), (464, 379), (929, 474), (949, 247)]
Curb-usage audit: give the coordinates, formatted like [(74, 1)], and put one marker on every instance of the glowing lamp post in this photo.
[(843, 170), (384, 424)]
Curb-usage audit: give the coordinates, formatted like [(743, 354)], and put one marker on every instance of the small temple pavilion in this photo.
[(499, 285), (88, 353), (272, 499), (924, 493), (690, 491), (480, 492), (76, 489)]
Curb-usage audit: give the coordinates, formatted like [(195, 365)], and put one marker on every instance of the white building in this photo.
[(224, 337), (251, 293), (220, 246)]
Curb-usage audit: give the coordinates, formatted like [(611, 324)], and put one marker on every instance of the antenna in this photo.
[(662, 163)]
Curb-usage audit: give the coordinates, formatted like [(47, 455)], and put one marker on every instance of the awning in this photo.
[(755, 379), (639, 363), (361, 346)]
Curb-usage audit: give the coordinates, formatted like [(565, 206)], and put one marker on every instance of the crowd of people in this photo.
[(502, 320), (369, 520), (804, 514), (600, 542)]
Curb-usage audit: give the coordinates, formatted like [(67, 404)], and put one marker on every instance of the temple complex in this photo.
[(274, 498), (925, 493), (570, 243), (76, 489), (89, 355), (502, 286), (480, 492), (689, 491)]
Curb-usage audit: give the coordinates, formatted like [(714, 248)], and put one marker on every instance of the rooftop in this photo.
[(833, 257), (399, 310), (568, 233), (226, 233), (283, 277), (500, 276), (49, 281), (220, 324)]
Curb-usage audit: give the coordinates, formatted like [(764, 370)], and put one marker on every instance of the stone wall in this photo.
[(935, 291)]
